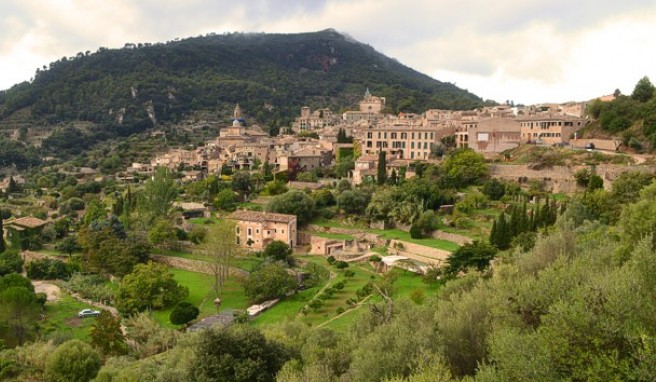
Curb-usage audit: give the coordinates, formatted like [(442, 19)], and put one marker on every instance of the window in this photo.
[(369, 135), (283, 231), (412, 145), (237, 229), (412, 155), (257, 230), (249, 232)]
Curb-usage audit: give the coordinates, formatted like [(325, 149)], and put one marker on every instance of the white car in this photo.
[(88, 313)]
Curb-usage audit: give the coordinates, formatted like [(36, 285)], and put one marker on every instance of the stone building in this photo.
[(549, 129), (256, 229)]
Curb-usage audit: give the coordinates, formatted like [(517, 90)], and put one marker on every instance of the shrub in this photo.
[(183, 313), (341, 264), (48, 269), (416, 232)]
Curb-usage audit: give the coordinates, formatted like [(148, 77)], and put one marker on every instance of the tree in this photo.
[(225, 200), (68, 245), (160, 231), (148, 286), (157, 197), (464, 167), (239, 353), (107, 336), (2, 237), (270, 281), (241, 182), (293, 202), (595, 182), (18, 308), (353, 201), (381, 170), (10, 262), (644, 90), (323, 198), (475, 255), (183, 313), (279, 251), (493, 189), (219, 249), (72, 361)]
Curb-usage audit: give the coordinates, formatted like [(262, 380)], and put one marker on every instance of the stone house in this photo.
[(494, 135), (257, 229), (22, 233), (549, 129)]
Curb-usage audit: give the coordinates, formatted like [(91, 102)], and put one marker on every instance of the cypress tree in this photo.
[(2, 238), (493, 234), (504, 232), (523, 219), (514, 222), (393, 177), (381, 174)]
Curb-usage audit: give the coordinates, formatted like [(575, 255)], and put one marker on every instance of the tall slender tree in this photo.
[(381, 173)]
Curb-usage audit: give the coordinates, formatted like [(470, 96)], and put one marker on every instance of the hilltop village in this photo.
[(313, 139)]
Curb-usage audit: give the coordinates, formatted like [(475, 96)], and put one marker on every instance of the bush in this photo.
[(331, 260), (416, 232), (72, 361), (10, 261), (48, 269), (341, 264), (340, 310), (183, 313), (493, 189), (375, 259)]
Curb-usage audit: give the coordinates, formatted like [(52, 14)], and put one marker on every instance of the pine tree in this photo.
[(381, 174), (523, 221)]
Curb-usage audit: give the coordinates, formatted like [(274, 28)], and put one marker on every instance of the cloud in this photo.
[(529, 48)]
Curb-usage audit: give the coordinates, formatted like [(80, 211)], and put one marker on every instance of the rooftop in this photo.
[(259, 216), (26, 222)]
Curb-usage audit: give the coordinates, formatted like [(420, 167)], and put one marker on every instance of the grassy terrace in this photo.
[(391, 234), (61, 317), (336, 236), (247, 263), (202, 296)]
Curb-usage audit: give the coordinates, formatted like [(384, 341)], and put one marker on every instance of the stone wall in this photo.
[(452, 237), (561, 178), (193, 265), (418, 252)]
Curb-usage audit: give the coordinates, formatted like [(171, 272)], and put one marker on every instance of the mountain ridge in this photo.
[(271, 75)]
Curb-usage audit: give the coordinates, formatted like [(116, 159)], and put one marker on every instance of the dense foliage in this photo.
[(168, 81)]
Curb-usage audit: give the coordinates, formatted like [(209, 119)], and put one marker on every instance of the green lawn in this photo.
[(202, 296), (335, 236), (329, 309), (405, 236), (204, 221), (61, 318), (247, 263), (287, 308)]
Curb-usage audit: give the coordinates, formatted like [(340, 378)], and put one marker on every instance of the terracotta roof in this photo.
[(262, 217), (27, 222)]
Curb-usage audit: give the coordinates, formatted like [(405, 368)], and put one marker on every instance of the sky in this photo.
[(527, 51)]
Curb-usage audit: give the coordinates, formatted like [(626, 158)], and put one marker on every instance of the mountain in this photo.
[(270, 75)]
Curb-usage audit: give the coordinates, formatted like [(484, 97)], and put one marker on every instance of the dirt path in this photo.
[(331, 277), (358, 306), (51, 290)]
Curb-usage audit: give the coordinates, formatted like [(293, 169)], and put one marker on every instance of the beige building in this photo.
[(493, 134), (407, 138), (256, 230), (548, 129)]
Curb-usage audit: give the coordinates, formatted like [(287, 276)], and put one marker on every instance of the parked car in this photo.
[(88, 313)]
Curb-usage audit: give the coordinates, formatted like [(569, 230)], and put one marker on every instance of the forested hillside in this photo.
[(270, 75)]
